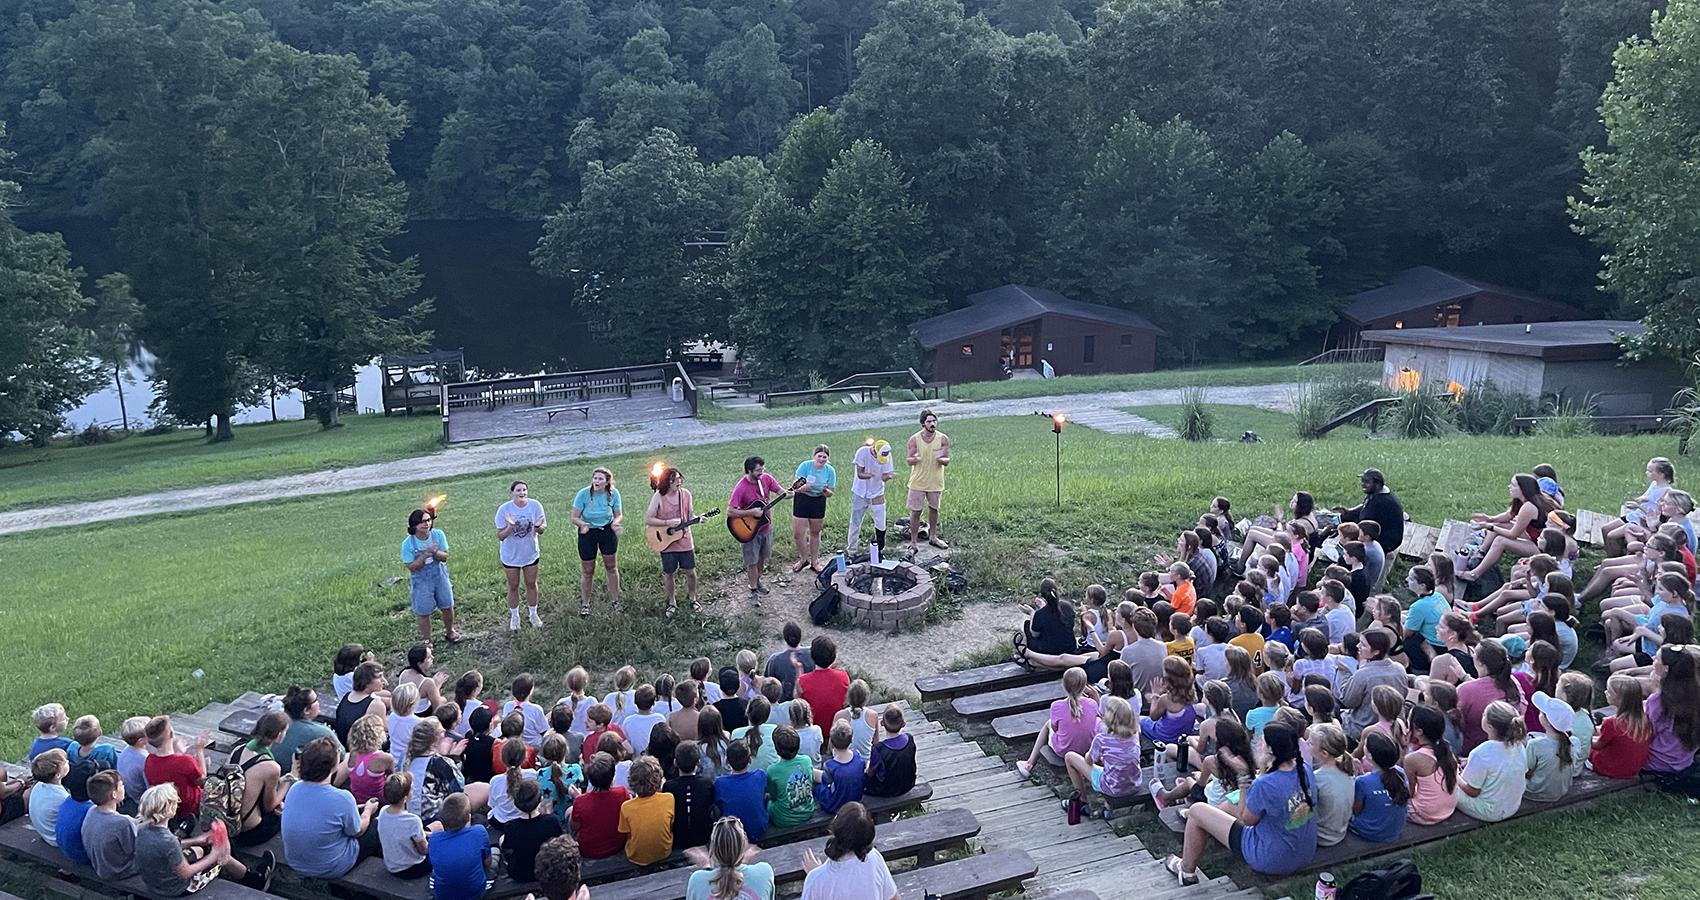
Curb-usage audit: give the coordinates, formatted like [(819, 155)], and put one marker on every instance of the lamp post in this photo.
[(1058, 420)]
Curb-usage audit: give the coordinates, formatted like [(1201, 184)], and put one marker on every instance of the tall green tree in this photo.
[(45, 364), (1642, 200), (750, 77), (112, 335), (622, 248), (811, 144)]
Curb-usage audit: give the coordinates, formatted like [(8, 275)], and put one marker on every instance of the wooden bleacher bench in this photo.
[(1587, 787), (371, 879), (1009, 700), (1420, 540), (1588, 525), (948, 685), (1077, 894), (553, 411), (973, 878), (919, 838), (20, 840), (1453, 535)]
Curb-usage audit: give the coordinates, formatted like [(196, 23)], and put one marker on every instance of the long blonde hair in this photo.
[(1118, 718), (1629, 695), (1074, 682), (368, 735), (726, 848), (624, 680)]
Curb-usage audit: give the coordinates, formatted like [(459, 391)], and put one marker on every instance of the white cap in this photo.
[(1558, 713)]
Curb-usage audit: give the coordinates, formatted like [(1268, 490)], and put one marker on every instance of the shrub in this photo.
[(1196, 422), (1311, 410), (1486, 409), (1567, 418), (1684, 415), (159, 428), (1421, 414), (1343, 392), (90, 436)]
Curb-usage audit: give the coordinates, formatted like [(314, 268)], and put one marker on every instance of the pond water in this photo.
[(489, 302)]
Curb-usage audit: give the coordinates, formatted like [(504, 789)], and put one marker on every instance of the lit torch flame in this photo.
[(656, 470), (435, 502)]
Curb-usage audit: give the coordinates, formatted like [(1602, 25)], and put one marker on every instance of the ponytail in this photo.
[(1048, 592), (757, 713), (1385, 752), (726, 848), (1431, 724), (513, 756), (1074, 682)]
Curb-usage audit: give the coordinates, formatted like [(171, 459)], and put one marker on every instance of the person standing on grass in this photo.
[(519, 522), (808, 509), (600, 522), (929, 453), (1381, 506), (867, 491), (425, 553), (755, 485), (671, 506)]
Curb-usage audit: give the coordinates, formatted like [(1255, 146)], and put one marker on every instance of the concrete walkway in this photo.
[(520, 453)]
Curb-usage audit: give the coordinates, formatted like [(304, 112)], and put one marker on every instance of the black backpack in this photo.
[(824, 608), (1398, 881)]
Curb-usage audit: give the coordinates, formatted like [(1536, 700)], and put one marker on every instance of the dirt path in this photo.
[(595, 443)]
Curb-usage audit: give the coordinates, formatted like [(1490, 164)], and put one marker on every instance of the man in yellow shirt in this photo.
[(929, 453)]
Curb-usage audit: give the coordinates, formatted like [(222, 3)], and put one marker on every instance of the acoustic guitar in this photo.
[(662, 536), (745, 528)]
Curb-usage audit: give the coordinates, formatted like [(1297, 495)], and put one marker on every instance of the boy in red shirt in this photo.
[(823, 689), (596, 814), (167, 763)]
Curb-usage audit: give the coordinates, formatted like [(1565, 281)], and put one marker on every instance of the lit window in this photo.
[(967, 349), (1398, 323)]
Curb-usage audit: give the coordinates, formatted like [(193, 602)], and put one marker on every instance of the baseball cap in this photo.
[(1558, 713), (1515, 646)]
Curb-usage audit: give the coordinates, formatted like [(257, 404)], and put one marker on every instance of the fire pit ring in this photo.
[(878, 598)]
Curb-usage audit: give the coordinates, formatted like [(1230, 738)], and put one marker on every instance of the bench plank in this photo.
[(969, 879), (1588, 525), (903, 839), (1009, 700), (19, 839), (1420, 540), (1453, 535), (1587, 786), (947, 685)]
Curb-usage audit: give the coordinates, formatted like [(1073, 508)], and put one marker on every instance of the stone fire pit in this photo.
[(876, 598)]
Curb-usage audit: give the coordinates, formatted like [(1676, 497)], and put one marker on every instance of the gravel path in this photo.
[(595, 443)]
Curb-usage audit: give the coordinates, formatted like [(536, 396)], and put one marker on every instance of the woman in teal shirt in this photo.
[(600, 521), (425, 553), (808, 510)]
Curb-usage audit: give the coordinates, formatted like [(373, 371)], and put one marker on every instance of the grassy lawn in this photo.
[(257, 597), (140, 464), (1225, 376)]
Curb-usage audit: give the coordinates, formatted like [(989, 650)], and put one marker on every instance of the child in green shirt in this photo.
[(790, 782)]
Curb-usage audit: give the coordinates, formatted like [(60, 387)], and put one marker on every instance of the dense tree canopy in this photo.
[(1233, 170)]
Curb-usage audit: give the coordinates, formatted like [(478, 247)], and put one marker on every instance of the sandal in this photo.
[(452, 637), (939, 543), (1173, 864), (671, 610), (797, 566), (584, 610)]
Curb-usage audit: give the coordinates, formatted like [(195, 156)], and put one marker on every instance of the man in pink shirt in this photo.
[(756, 485)]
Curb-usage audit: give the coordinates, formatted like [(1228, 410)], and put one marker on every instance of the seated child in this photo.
[(86, 732), (596, 813), (1380, 796), (461, 864), (1110, 768), (790, 782), (639, 724), (646, 819), (524, 836), (693, 796), (48, 769), (401, 833), (841, 777), (891, 770), (743, 793), (480, 756), (51, 721)]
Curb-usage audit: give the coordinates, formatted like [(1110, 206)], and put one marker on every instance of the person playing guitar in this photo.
[(670, 506), (752, 497)]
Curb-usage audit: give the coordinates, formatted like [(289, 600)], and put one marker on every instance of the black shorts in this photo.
[(674, 560), (598, 540), (521, 568), (808, 506), (1236, 838), (1642, 659)]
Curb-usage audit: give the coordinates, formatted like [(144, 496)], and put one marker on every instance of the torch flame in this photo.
[(656, 470), (435, 502)]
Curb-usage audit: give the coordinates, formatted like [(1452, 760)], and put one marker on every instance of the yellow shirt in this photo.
[(1253, 644), (649, 822), (928, 474), (1181, 648)]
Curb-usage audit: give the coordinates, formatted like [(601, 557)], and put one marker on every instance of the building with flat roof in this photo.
[(1575, 360)]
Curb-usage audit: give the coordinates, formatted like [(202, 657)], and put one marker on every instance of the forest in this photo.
[(808, 177)]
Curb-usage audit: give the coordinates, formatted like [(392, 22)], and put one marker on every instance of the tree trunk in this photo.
[(332, 417), (209, 429), (224, 432), (118, 379)]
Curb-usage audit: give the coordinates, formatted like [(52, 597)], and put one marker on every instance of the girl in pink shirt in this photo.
[(1073, 722)]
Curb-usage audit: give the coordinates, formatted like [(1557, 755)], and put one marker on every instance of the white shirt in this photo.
[(520, 548), (638, 727), (868, 488), (535, 722), (621, 713), (850, 878), (502, 808), (397, 832)]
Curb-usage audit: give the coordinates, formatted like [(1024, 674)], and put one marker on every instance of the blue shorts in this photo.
[(431, 590)]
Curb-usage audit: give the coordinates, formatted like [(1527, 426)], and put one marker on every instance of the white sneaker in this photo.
[(513, 620), (536, 620)]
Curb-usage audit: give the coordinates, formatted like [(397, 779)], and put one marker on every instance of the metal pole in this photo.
[(1059, 468)]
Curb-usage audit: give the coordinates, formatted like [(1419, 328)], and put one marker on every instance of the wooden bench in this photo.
[(973, 878), (20, 840), (1587, 787), (1453, 535), (947, 685), (1009, 700), (553, 411), (371, 879), (919, 838), (1420, 540), (1589, 524)]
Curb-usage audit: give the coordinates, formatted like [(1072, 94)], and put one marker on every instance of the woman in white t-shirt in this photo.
[(853, 869), (519, 522), (867, 490)]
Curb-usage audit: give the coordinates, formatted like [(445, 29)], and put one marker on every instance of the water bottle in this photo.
[(198, 674), (840, 563), (873, 554), (1325, 888)]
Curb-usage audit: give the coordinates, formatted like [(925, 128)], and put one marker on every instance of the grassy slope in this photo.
[(141, 464), (259, 596), (1228, 376)]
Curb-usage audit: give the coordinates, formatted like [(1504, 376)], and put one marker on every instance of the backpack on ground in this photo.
[(824, 608), (1398, 881)]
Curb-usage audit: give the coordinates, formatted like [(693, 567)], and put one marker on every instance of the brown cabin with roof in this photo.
[(1015, 327), (1426, 297)]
